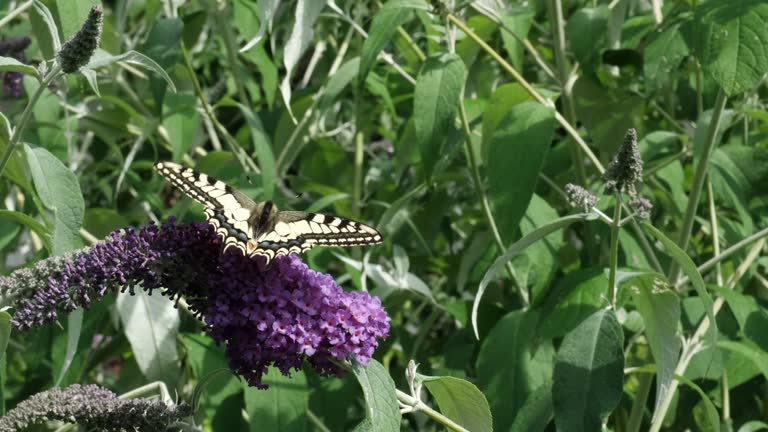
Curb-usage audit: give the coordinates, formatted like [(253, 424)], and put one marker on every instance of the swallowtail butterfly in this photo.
[(259, 228)]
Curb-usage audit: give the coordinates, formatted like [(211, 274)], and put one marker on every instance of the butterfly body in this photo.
[(260, 228)]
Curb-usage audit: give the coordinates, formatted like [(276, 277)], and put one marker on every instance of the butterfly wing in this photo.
[(226, 209), (297, 232)]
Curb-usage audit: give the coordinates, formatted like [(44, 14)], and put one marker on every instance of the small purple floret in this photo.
[(276, 316)]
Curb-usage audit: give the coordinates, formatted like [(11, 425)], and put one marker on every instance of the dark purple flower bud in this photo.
[(276, 316), (580, 197), (642, 207), (626, 169), (14, 47), (78, 50), (95, 408)]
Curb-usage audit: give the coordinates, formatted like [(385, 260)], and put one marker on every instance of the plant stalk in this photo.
[(614, 258), (418, 405)]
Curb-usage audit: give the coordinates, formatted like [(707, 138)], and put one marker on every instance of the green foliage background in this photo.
[(453, 127)]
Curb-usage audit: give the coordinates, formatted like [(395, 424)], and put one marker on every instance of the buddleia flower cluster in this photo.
[(280, 315), (94, 407), (624, 175), (78, 50)]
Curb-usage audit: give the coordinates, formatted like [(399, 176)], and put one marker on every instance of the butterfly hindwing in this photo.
[(297, 232)]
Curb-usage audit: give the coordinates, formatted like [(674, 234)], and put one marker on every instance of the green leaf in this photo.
[(689, 268), (507, 369), (102, 221), (102, 58), (513, 251), (205, 358), (587, 33), (283, 407), (732, 43), (753, 426), (436, 97), (749, 350), (151, 325), (516, 154), (267, 10), (74, 328), (383, 27), (262, 146), (712, 418), (381, 407), (51, 47), (72, 14), (750, 315), (663, 55), (306, 13), (10, 64), (581, 294), (537, 412), (516, 19), (660, 309), (58, 188), (181, 120), (503, 99), (589, 373), (460, 401), (29, 222)]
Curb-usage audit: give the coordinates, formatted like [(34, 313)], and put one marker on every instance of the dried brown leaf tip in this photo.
[(78, 50)]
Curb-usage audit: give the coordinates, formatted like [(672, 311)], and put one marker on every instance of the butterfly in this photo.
[(259, 228)]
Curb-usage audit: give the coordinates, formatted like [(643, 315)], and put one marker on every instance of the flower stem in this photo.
[(614, 258), (698, 180), (484, 197), (26, 115), (418, 405), (16, 12)]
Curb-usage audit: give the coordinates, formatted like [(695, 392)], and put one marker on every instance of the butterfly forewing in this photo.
[(231, 213), (226, 209)]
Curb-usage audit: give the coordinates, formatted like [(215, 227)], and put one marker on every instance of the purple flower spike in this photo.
[(276, 316)]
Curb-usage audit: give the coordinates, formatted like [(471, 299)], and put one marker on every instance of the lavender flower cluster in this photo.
[(279, 315), (94, 407)]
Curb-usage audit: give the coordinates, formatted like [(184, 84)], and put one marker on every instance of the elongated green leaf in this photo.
[(102, 58), (460, 401), (381, 406), (660, 308), (753, 426), (663, 55), (513, 251), (267, 9), (29, 222), (306, 12), (506, 368), (516, 153), (151, 326), (689, 268), (53, 29), (59, 190), (283, 407), (181, 120), (732, 43), (537, 412), (384, 25), (436, 97), (262, 146), (583, 293), (589, 373), (749, 350), (10, 64), (503, 99), (74, 328)]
